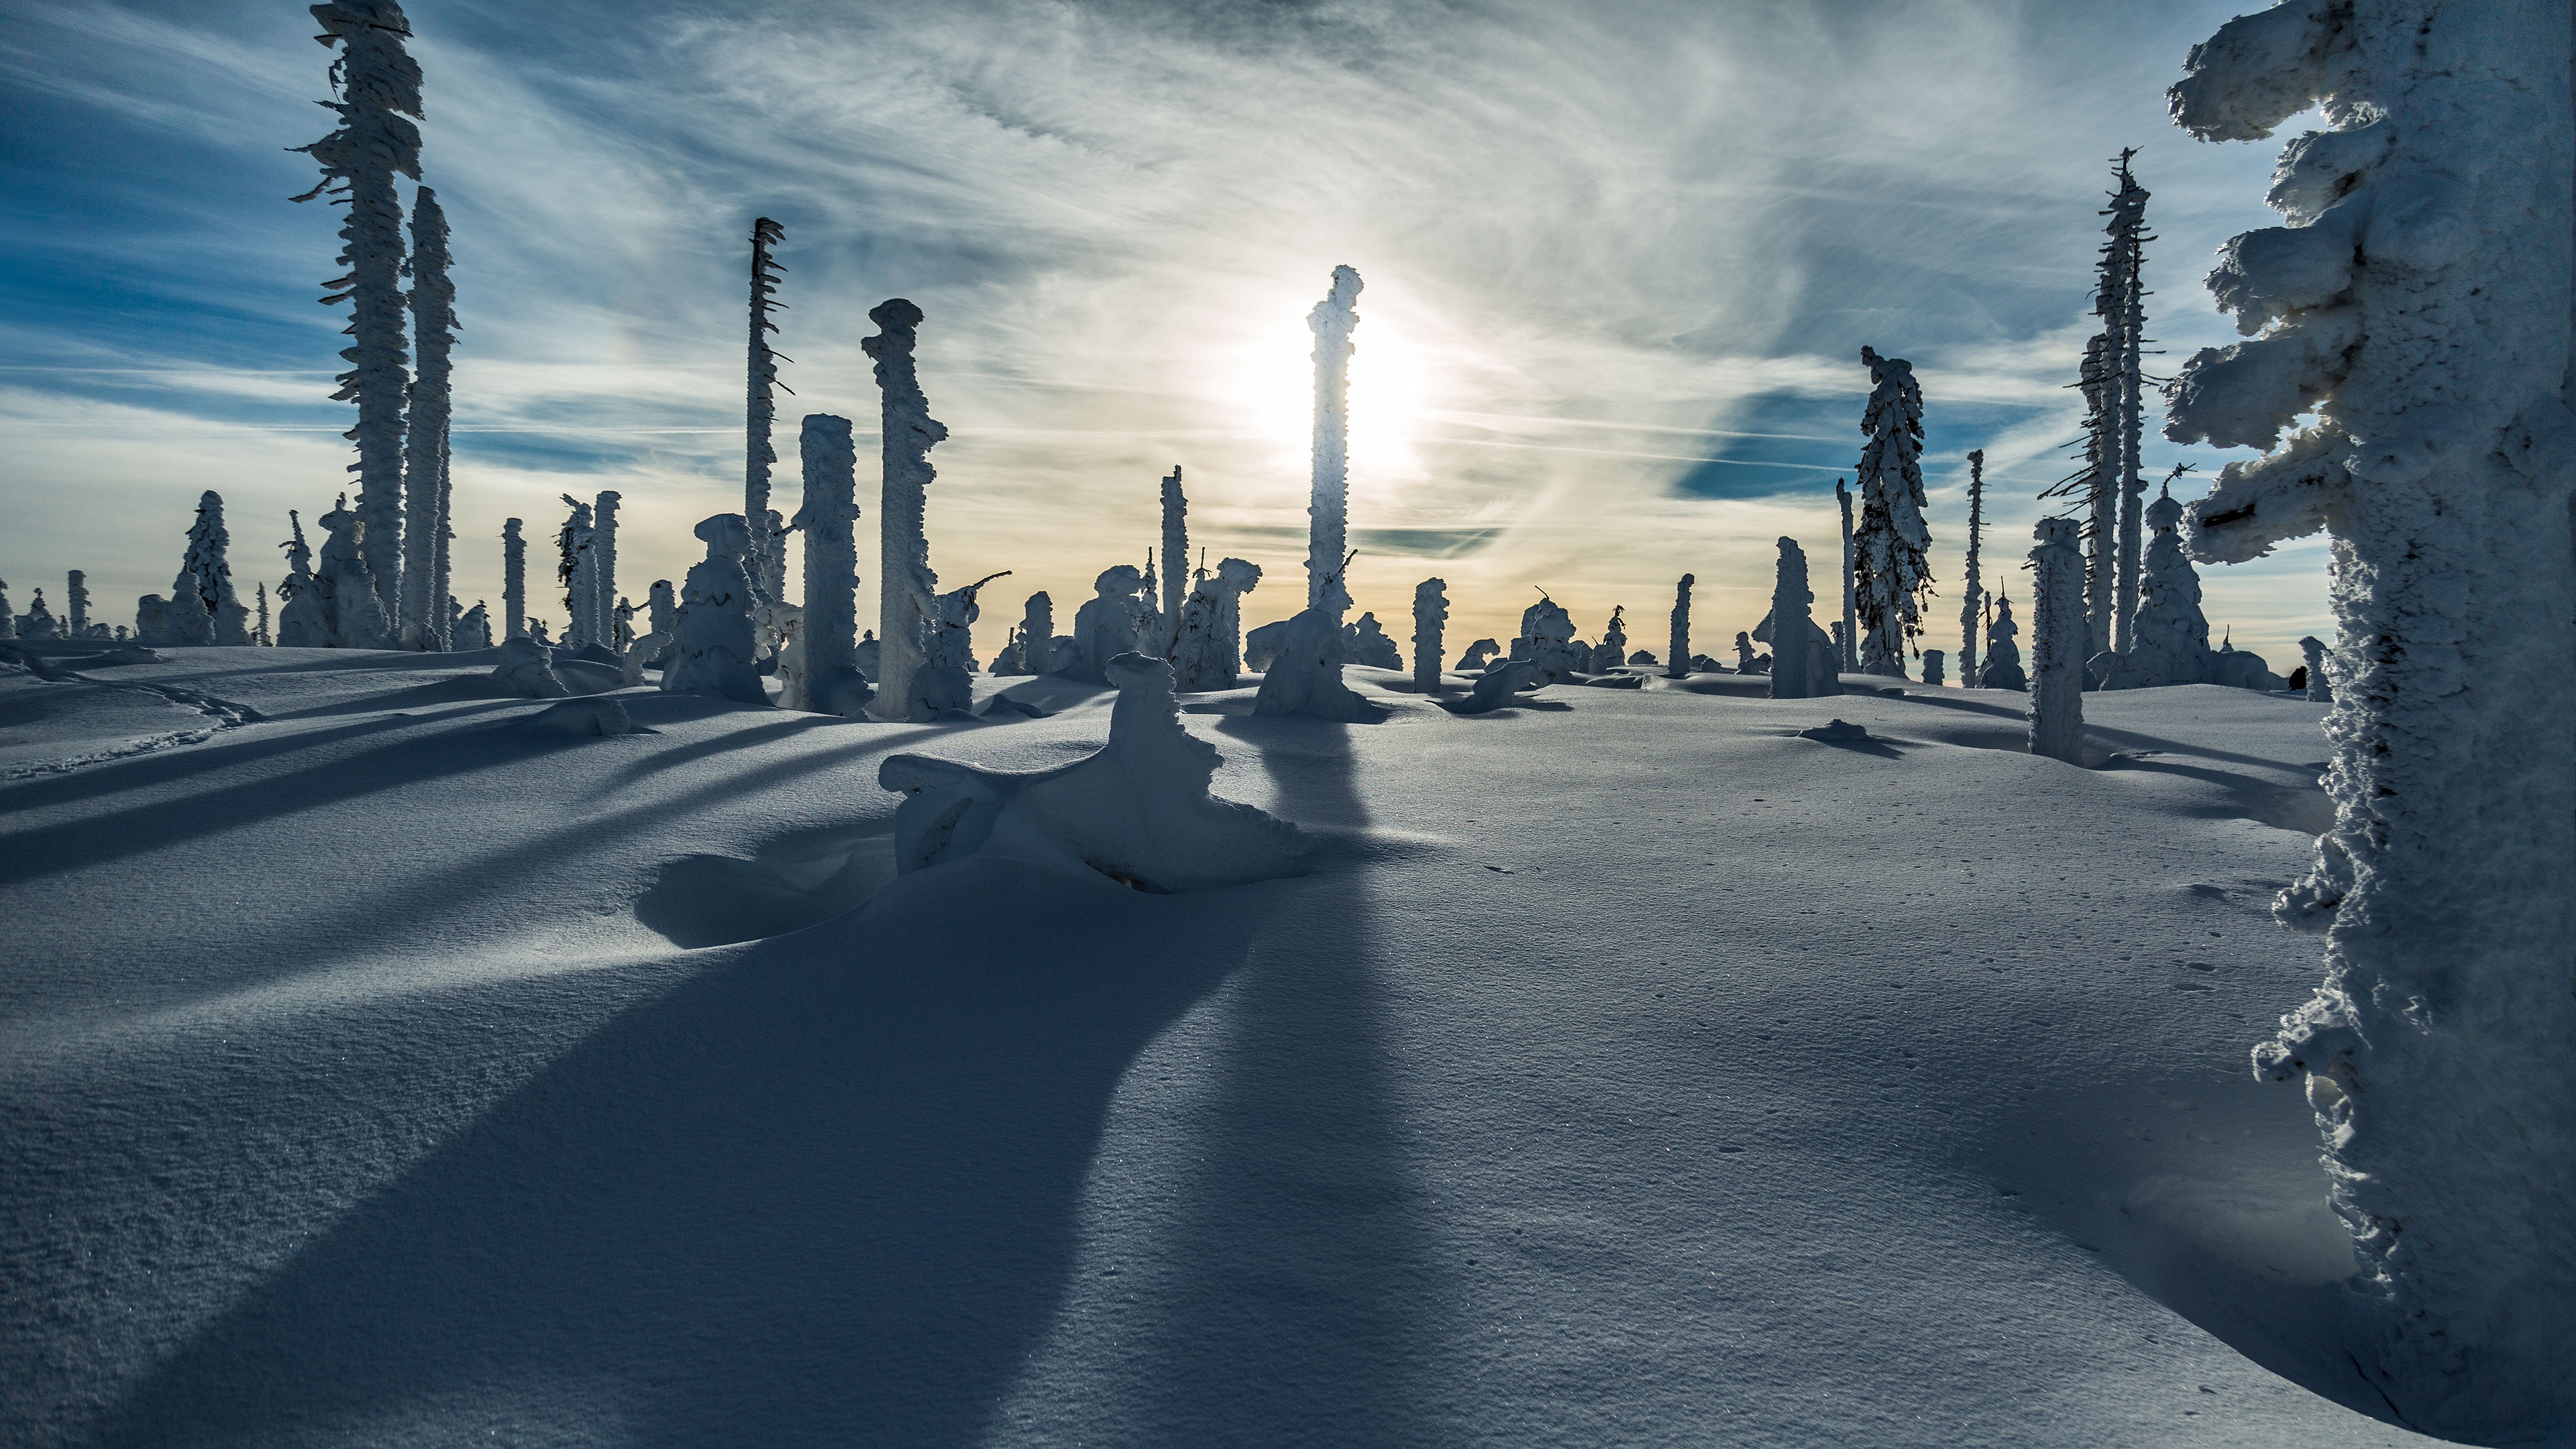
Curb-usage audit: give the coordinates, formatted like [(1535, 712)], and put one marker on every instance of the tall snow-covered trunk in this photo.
[(574, 569), (828, 681), (1037, 634), (2057, 643), (8, 620), (259, 633), (603, 565), (1890, 566), (1793, 623), (2420, 300), (760, 415), (1327, 513), (1176, 560), (514, 581), (2129, 238), (1971, 608), (907, 590), (1848, 640), (76, 593), (1677, 663), (378, 85), (425, 452), (1430, 612), (2101, 476)]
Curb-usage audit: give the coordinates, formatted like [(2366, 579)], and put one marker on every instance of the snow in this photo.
[(1011, 1154), (907, 589)]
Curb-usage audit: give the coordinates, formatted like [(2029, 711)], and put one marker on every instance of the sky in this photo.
[(1620, 261)]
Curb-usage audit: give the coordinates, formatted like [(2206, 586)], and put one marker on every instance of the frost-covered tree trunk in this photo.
[(603, 565), (1889, 564), (1972, 608), (514, 581), (1677, 663), (2058, 643), (1793, 624), (2420, 301), (1332, 322), (576, 568), (378, 85), (433, 323), (1430, 612), (76, 596), (828, 680), (259, 633), (907, 591), (2128, 230), (1847, 633), (1176, 561), (759, 454)]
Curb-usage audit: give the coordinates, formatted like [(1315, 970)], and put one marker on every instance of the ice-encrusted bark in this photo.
[(907, 590), (712, 649), (76, 596), (425, 447), (2170, 643), (760, 414), (1332, 322), (2057, 642), (2002, 669), (827, 677), (2313, 651), (514, 580), (1679, 656), (1793, 626), (350, 599), (1364, 641), (603, 566), (2420, 302), (1847, 632), (1889, 568), (1430, 613), (1176, 560), (1612, 652), (2128, 233), (1973, 607), (304, 607), (378, 85), (1138, 812)]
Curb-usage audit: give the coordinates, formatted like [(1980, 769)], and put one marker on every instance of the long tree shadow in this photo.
[(823, 1193)]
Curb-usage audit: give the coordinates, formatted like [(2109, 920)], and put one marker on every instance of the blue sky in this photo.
[(1620, 262)]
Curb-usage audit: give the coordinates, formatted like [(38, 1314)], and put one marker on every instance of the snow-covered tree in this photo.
[(1891, 574), (425, 451), (76, 595), (304, 607), (2057, 643), (1430, 613), (8, 620), (203, 608), (603, 565), (1612, 652), (1364, 641), (1932, 674), (40, 622), (1332, 322), (1546, 641), (768, 544), (1974, 605), (576, 570), (1744, 654), (473, 629), (827, 678), (2419, 301), (2127, 248), (151, 620), (2313, 651), (259, 632), (1105, 627), (712, 651), (514, 580), (350, 601), (907, 590), (944, 682), (378, 86), (2002, 669), (1304, 674), (1847, 629), (1792, 625), (1176, 558), (1037, 634), (1680, 650), (2169, 637)]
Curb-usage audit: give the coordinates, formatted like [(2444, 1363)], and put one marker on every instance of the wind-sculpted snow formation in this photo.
[(907, 590), (2057, 642), (1138, 812), (1889, 569), (378, 86), (1546, 642), (760, 413), (526, 669), (1304, 677), (1500, 685), (827, 678), (712, 651), (1479, 655), (1679, 667), (1364, 641), (2419, 302), (473, 629), (1430, 614), (426, 492)]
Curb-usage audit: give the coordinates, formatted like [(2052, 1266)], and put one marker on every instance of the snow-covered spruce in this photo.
[(207, 567), (1138, 812), (151, 620), (711, 651), (1430, 615), (2002, 668), (623, 633), (473, 629), (1679, 652), (2419, 300), (2057, 643), (425, 450), (1973, 605), (1176, 558), (304, 610), (378, 86), (944, 683), (827, 677), (2128, 324), (1037, 634), (1846, 630), (2313, 650), (2170, 637), (907, 590), (1890, 573), (76, 600), (350, 600), (1612, 651), (1332, 321), (1105, 626), (514, 580), (760, 413), (40, 622), (575, 571), (1364, 641), (8, 620)]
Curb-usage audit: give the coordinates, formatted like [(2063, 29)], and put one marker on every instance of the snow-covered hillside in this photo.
[(1626, 1069)]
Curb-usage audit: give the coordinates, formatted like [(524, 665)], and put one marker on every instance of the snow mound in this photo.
[(1138, 811), (527, 669), (584, 717)]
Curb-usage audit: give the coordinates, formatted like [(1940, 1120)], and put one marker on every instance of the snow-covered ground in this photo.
[(1627, 1070)]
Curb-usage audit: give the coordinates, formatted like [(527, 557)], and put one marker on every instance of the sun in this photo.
[(1272, 385)]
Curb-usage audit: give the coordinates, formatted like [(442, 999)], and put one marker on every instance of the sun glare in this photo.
[(1274, 387)]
